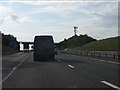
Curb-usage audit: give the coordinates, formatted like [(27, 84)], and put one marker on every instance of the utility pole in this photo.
[(75, 30)]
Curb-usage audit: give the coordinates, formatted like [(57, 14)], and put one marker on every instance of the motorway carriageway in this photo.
[(67, 71)]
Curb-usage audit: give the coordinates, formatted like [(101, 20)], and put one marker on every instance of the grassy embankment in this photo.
[(7, 50), (109, 44)]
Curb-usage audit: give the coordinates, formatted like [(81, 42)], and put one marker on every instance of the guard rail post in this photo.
[(99, 55), (91, 53), (114, 56), (106, 55)]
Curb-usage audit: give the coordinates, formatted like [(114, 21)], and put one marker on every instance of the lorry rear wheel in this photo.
[(35, 60), (53, 58)]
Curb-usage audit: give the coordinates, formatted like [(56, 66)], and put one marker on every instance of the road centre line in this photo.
[(104, 82), (13, 70), (111, 85), (68, 64), (71, 66)]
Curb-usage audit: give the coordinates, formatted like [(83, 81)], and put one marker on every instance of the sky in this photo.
[(26, 19)]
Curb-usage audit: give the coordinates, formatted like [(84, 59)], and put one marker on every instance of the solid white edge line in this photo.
[(71, 66), (13, 71), (8, 76), (111, 85), (104, 61), (15, 68)]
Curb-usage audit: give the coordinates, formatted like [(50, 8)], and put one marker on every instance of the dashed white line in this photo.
[(71, 66), (111, 85), (59, 60)]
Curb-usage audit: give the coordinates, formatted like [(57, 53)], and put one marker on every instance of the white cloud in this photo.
[(15, 19), (15, 24), (66, 8), (110, 9), (5, 10), (102, 20), (24, 19), (61, 8), (1, 21)]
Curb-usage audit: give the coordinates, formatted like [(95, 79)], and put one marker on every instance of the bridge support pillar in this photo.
[(26, 46)]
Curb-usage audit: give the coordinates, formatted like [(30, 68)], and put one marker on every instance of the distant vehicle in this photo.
[(26, 51), (44, 48)]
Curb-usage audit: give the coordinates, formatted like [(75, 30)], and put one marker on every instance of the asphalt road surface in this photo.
[(67, 71)]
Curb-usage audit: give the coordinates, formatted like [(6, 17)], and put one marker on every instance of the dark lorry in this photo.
[(44, 48)]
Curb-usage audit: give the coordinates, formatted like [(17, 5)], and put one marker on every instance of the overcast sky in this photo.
[(25, 19)]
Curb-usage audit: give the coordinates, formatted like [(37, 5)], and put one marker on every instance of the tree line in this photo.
[(10, 41)]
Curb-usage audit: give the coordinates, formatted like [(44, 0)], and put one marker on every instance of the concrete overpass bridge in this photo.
[(26, 44)]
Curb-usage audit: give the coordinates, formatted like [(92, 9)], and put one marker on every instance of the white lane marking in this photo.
[(113, 62), (111, 85), (7, 76), (71, 66), (104, 61), (59, 60), (13, 70)]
